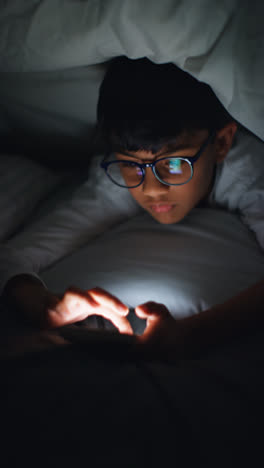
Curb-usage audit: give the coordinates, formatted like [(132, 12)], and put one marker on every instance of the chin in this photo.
[(166, 218), (166, 221)]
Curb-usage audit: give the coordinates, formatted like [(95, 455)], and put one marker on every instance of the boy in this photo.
[(164, 134)]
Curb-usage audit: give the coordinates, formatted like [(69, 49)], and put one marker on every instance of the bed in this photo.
[(205, 411)]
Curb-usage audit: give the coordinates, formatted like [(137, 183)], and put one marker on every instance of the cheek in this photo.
[(137, 194), (204, 178), (193, 192)]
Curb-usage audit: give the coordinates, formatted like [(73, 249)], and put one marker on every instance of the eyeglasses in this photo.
[(173, 170)]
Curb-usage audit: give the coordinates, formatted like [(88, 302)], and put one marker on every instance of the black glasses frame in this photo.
[(190, 160)]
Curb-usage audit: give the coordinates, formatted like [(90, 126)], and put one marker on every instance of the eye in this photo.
[(130, 167)]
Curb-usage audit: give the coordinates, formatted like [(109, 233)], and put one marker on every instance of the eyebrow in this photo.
[(165, 153)]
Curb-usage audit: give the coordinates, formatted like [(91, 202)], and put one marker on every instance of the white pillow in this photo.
[(23, 185), (203, 260)]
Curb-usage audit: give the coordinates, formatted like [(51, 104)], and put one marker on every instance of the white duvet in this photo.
[(220, 42)]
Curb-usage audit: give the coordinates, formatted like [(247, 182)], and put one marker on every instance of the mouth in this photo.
[(161, 207)]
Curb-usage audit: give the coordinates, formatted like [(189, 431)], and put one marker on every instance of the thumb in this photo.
[(151, 309)]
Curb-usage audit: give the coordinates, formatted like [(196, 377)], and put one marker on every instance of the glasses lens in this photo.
[(124, 173), (174, 171)]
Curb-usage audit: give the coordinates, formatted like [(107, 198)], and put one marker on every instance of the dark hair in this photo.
[(143, 105)]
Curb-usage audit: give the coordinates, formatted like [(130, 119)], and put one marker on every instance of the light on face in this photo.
[(139, 171), (175, 166)]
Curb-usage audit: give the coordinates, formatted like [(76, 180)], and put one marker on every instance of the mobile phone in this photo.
[(138, 325)]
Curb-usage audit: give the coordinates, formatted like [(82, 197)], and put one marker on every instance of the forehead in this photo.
[(186, 141)]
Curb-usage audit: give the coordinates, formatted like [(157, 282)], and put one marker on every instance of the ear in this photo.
[(223, 140)]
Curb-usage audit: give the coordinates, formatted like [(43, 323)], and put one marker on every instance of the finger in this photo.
[(106, 299), (151, 308), (97, 297), (74, 291), (75, 307)]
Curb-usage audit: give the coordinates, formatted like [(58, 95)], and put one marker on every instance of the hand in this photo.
[(76, 305), (164, 337), (45, 309)]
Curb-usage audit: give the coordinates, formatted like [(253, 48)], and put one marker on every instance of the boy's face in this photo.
[(170, 204)]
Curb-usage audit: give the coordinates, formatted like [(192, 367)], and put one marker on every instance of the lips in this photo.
[(162, 207)]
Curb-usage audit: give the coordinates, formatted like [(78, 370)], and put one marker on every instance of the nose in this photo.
[(151, 186)]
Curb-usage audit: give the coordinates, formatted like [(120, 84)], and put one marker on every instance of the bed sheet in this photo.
[(130, 412), (118, 409)]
